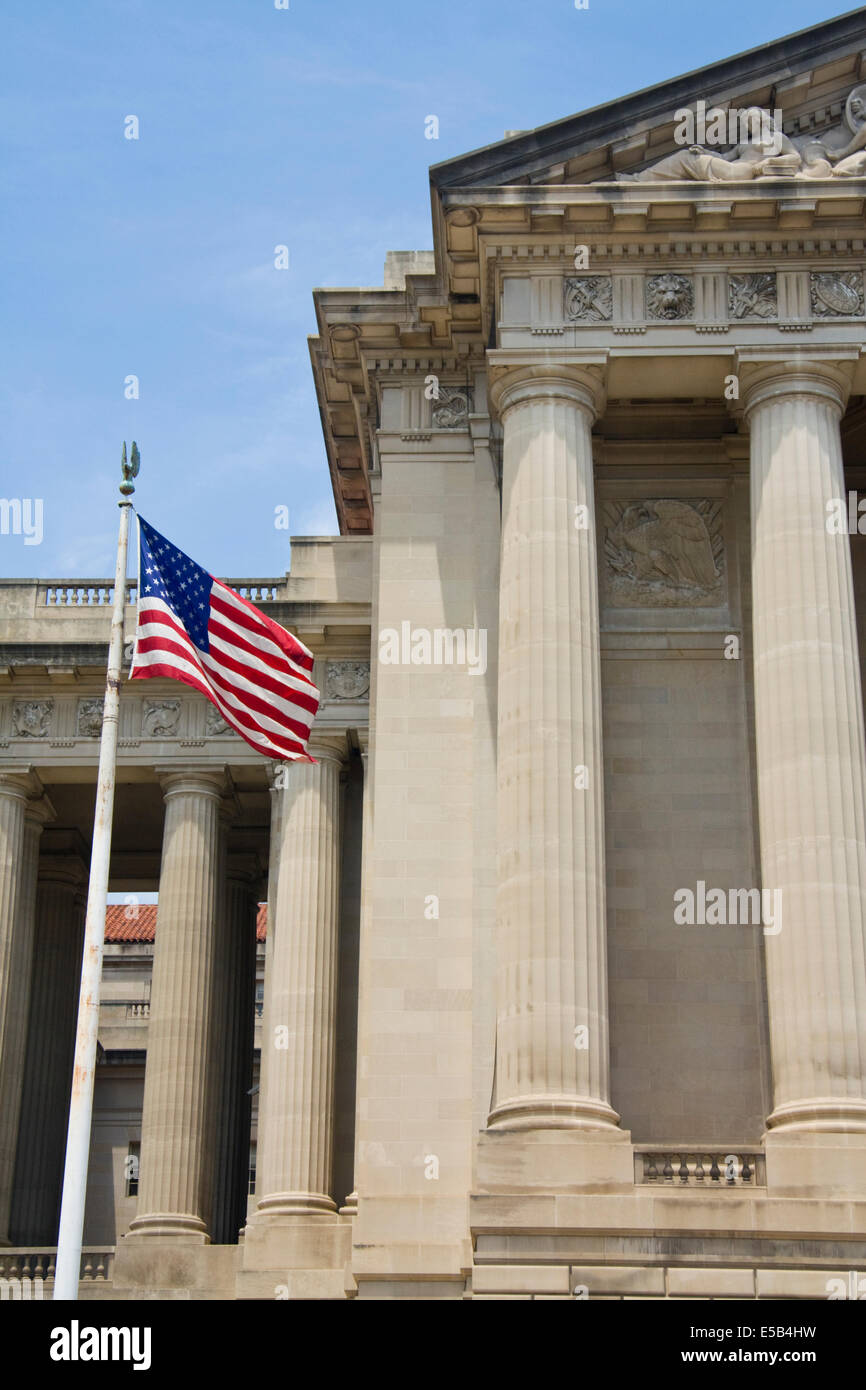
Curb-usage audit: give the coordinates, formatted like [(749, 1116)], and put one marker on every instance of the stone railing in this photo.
[(713, 1168), (35, 1262), (138, 1009), (99, 593), (81, 593)]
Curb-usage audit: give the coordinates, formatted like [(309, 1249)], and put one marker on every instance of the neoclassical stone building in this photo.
[(564, 984)]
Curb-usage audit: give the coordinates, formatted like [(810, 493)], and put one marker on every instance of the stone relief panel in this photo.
[(214, 723), (753, 296), (90, 717), (757, 148), (836, 294), (588, 298), (669, 297), (663, 553), (160, 718), (347, 680), (452, 408), (32, 718)]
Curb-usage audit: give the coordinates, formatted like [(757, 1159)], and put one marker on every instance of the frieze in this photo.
[(836, 294), (347, 680), (753, 296), (669, 297), (90, 714), (32, 718), (588, 298), (160, 718), (214, 723), (452, 408), (663, 553)]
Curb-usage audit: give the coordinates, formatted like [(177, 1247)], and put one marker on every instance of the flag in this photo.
[(193, 628)]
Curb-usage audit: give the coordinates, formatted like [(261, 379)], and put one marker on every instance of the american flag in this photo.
[(193, 628)]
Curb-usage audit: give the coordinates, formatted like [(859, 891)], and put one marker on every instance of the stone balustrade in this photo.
[(37, 1262), (678, 1167)]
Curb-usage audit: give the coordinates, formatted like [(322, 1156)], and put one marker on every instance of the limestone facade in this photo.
[(564, 985)]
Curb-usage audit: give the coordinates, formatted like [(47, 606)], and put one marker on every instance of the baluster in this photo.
[(667, 1171), (683, 1169), (714, 1169), (649, 1164), (746, 1171), (699, 1168)]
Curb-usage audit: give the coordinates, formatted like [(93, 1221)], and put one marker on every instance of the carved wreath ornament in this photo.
[(348, 680)]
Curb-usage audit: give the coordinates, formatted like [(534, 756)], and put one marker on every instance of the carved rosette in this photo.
[(669, 297), (836, 294), (31, 718), (662, 553), (753, 296), (452, 408), (160, 718), (90, 713), (347, 680), (588, 299)]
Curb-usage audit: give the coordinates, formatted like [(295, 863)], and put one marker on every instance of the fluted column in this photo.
[(552, 1064), (50, 1050), (298, 1035), (175, 1187), (350, 1206), (232, 1046), (811, 756), (21, 822)]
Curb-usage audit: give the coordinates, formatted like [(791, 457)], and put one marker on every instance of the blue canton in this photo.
[(168, 574)]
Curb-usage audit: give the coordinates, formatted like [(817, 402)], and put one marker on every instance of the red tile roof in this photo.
[(137, 922)]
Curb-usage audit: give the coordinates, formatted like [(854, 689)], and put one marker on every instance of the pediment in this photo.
[(814, 80)]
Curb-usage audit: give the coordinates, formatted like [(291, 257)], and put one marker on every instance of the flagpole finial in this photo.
[(130, 469)]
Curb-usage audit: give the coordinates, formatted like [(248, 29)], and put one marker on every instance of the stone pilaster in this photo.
[(811, 757), (50, 1049), (21, 820), (297, 1095), (175, 1188), (552, 1063)]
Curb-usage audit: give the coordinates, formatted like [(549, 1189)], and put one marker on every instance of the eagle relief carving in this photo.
[(663, 553)]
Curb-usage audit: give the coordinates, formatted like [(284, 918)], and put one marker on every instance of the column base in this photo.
[(548, 1160), (169, 1226), (553, 1112), (816, 1163), (820, 1116), (305, 1204), (350, 1206)]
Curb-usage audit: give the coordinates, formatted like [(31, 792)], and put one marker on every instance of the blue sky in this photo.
[(155, 257)]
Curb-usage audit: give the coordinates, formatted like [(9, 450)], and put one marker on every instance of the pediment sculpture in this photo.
[(765, 151)]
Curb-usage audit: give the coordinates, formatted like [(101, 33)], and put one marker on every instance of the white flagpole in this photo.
[(68, 1264)]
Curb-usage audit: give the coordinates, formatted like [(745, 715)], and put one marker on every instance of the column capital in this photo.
[(579, 378), (203, 781), (773, 376), (68, 870), (326, 747)]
